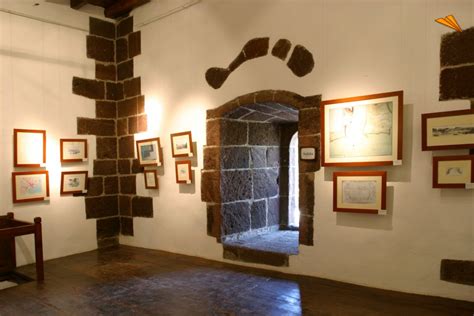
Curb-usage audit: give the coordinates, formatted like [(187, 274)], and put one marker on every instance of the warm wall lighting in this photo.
[(154, 111)]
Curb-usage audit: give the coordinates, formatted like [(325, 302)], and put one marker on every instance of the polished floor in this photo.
[(135, 281), (280, 241)]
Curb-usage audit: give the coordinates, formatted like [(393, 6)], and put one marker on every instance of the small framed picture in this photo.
[(29, 148), (308, 153), (30, 186), (455, 172), (182, 144), (148, 152), (362, 131), (447, 130), (73, 150), (151, 179), (183, 172), (73, 182), (360, 192)]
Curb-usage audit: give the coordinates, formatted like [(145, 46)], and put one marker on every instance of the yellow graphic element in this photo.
[(450, 22)]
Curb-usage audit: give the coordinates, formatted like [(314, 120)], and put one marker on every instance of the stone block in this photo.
[(213, 132), (456, 83), (306, 193), (105, 71), (106, 109), (273, 157), (134, 44), (258, 157), (132, 87), (128, 184), (125, 26), (108, 227), (111, 185), (126, 226), (142, 123), (95, 186), (141, 104), (233, 133), (114, 91), (281, 48), (125, 70), (214, 219), (98, 127), (306, 230), (142, 206), (124, 166), (100, 48), (121, 50), (103, 206), (457, 48), (126, 147), (256, 117), (136, 168), (101, 28), (122, 127), (265, 183), (255, 256), (125, 205), (127, 107), (223, 110), (210, 187), (309, 122), (235, 158), (106, 147), (284, 201), (212, 158), (238, 113), (92, 89), (235, 218), (236, 185), (301, 61), (264, 134), (258, 214), (132, 125), (273, 212), (105, 167), (457, 271)]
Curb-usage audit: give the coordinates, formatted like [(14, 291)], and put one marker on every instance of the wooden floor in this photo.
[(127, 280)]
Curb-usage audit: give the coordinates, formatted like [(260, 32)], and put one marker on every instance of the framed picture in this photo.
[(30, 186), (447, 130), (360, 192), (151, 179), (29, 148), (456, 172), (362, 131), (182, 144), (148, 152), (73, 182), (308, 153), (73, 150), (183, 172)]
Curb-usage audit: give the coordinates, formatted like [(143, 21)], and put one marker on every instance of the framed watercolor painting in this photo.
[(455, 172), (182, 144), (360, 192), (73, 182), (447, 130), (29, 148), (30, 186), (149, 152), (183, 172), (362, 131), (151, 179), (73, 150)]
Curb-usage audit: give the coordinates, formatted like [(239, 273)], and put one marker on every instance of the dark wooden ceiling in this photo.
[(113, 9)]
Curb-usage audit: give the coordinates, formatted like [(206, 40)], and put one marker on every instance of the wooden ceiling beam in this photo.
[(122, 7)]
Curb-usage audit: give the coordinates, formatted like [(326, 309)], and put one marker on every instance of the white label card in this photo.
[(382, 212), (397, 162), (188, 181), (469, 186)]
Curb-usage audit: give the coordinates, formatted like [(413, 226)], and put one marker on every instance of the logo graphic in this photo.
[(450, 22)]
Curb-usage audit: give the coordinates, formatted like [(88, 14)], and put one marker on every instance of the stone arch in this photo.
[(227, 116)]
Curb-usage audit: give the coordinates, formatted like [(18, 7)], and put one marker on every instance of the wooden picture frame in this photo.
[(30, 186), (453, 172), (182, 144), (73, 182), (73, 150), (360, 192), (29, 148), (362, 131), (184, 173), (447, 130), (151, 179), (149, 152)]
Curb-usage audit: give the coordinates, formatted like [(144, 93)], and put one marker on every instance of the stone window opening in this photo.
[(293, 194)]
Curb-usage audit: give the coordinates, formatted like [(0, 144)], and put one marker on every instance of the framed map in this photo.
[(362, 131), (73, 150), (184, 173), (454, 172), (73, 182), (360, 192), (182, 144), (30, 186)]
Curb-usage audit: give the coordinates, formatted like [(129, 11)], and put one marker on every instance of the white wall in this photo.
[(37, 63), (360, 47)]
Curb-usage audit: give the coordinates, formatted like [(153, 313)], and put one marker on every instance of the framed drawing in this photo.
[(447, 130), (151, 179), (29, 148), (360, 192), (183, 172), (456, 172), (73, 150), (149, 152), (182, 144), (362, 131), (308, 153), (73, 182), (30, 186)]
